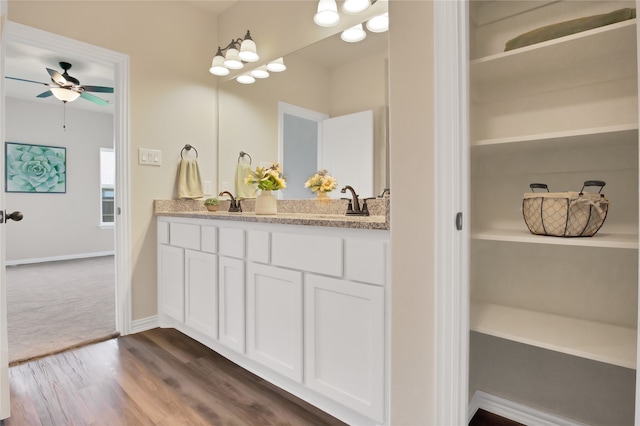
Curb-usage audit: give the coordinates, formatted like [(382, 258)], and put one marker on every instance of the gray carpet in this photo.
[(55, 306)]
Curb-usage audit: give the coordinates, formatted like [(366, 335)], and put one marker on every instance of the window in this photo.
[(107, 186)]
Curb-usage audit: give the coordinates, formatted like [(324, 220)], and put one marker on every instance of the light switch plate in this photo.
[(149, 157)]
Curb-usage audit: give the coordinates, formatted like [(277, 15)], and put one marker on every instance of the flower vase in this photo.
[(266, 203), (323, 198)]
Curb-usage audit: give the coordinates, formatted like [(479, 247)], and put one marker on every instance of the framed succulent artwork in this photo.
[(35, 168)]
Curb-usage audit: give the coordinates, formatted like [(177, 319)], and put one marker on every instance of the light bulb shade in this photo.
[(260, 72), (378, 24), (327, 14), (248, 52), (245, 79), (216, 66), (353, 7), (232, 60), (64, 95), (276, 65), (354, 34)]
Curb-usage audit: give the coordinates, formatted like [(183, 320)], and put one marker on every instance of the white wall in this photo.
[(59, 225)]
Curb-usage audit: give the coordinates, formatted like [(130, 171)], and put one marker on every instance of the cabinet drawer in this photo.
[(209, 237), (184, 235), (258, 246), (365, 261), (307, 253), (231, 242)]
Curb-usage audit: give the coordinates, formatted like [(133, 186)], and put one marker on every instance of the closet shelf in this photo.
[(601, 239), (606, 343), (611, 135), (600, 54)]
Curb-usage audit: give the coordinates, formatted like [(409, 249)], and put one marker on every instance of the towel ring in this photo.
[(242, 154), (188, 148)]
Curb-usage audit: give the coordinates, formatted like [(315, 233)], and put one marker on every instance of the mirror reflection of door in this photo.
[(310, 141)]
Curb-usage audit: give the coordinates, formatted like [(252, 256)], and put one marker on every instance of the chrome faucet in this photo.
[(354, 205), (234, 205)]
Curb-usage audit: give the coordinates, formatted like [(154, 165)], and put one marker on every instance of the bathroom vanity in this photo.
[(297, 298)]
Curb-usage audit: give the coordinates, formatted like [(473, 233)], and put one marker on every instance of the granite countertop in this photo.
[(291, 212)]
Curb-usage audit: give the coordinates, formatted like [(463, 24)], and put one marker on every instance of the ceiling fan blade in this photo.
[(57, 77), (28, 81), (94, 99), (102, 89), (45, 94)]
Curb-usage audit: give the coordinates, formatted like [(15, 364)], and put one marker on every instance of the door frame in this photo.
[(14, 32)]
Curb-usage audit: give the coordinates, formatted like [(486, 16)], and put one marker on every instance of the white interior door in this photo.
[(4, 346), (347, 150)]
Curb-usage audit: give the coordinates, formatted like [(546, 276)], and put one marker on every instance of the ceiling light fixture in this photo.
[(238, 51), (353, 7), (354, 34), (276, 65), (64, 95), (327, 13)]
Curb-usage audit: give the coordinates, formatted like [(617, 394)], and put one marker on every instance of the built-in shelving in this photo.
[(607, 343), (596, 55), (611, 135), (601, 239)]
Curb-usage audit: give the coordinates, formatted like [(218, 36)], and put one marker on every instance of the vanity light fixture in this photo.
[(353, 34), (353, 7), (260, 72), (276, 65), (245, 79), (327, 14), (238, 51), (379, 24)]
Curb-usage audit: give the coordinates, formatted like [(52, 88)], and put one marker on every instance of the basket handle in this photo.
[(599, 183), (533, 186)]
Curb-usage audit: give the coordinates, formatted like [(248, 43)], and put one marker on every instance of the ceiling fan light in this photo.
[(379, 24), (248, 50), (327, 14), (260, 72), (353, 7), (276, 65), (232, 60), (216, 66), (245, 79), (64, 95), (353, 34)]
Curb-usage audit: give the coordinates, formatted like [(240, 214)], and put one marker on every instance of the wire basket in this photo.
[(565, 214)]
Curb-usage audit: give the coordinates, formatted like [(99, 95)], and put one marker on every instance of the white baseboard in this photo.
[(515, 411), (56, 258), (144, 324)]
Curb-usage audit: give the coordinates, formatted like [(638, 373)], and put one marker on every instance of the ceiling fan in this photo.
[(67, 88)]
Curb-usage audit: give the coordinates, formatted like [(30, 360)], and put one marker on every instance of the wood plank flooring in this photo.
[(158, 377)]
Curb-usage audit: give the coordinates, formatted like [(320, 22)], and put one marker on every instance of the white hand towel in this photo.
[(244, 190), (189, 182)]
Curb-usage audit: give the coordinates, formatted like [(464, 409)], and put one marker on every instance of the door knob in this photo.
[(17, 216)]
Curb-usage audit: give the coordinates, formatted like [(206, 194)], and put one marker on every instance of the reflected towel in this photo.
[(244, 190), (189, 182)]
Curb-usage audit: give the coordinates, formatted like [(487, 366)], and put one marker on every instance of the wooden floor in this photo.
[(159, 377)]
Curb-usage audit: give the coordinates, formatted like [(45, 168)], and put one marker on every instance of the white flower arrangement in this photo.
[(267, 179)]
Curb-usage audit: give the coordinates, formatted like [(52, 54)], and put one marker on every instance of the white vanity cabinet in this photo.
[(560, 112), (274, 318), (301, 306)]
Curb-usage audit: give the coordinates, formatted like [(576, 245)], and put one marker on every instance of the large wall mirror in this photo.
[(330, 77)]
